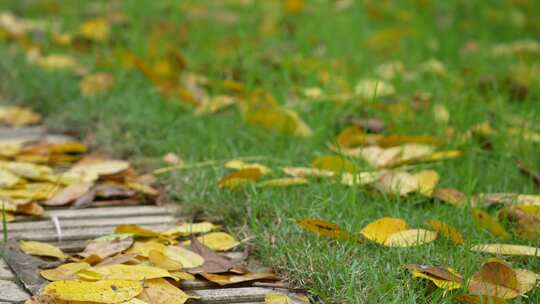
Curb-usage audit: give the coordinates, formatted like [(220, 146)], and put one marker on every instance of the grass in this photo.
[(133, 121)]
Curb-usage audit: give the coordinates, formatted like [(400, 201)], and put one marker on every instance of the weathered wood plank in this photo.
[(24, 266), (107, 212), (5, 272), (232, 295), (10, 292), (66, 224), (32, 133), (74, 234)]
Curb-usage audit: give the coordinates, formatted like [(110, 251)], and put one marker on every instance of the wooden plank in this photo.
[(108, 212), (32, 133), (74, 234), (66, 224), (5, 272), (10, 292), (232, 295), (25, 267)]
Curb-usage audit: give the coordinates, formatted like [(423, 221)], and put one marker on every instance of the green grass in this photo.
[(134, 121)]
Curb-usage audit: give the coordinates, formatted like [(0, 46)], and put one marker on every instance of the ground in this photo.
[(330, 45)]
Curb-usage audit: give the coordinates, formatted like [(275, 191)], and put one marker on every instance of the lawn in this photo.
[(456, 55)]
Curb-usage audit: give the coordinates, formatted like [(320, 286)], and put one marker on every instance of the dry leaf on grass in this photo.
[(240, 178), (395, 232), (446, 230), (489, 223), (324, 228), (507, 249), (445, 278)]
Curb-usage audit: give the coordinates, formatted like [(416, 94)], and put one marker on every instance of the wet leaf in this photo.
[(446, 230), (42, 249), (105, 291), (489, 223)]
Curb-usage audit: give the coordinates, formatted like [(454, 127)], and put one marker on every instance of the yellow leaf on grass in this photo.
[(324, 228), (526, 280), (379, 230), (97, 30), (445, 278), (160, 260), (237, 164), (508, 249), (215, 104), (427, 180), (450, 196), (187, 258), (42, 249), (123, 272), (350, 138), (240, 178), (489, 223), (106, 291), (275, 118), (398, 183), (409, 238), (94, 84), (447, 230), (226, 279), (162, 292), (217, 241), (64, 272), (334, 163), (59, 62), (191, 228), (307, 172), (283, 182)]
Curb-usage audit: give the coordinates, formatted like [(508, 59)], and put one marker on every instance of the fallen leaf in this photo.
[(135, 230), (379, 230), (398, 182), (227, 279), (373, 88), (324, 228), (333, 163), (64, 272), (450, 196), (123, 272), (282, 120), (446, 230), (42, 249), (8, 179), (445, 278), (409, 238), (277, 298), (240, 178), (162, 292), (427, 181), (507, 249), (495, 279), (105, 291), (489, 223), (68, 194), (187, 258), (18, 116), (97, 29), (191, 228), (283, 182), (218, 241), (107, 248), (30, 209), (464, 298), (95, 84), (213, 262), (241, 165), (160, 260)]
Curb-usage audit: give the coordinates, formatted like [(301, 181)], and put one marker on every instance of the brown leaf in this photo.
[(107, 248), (213, 262), (68, 194), (450, 196)]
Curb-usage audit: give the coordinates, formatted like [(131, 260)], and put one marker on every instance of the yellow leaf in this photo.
[(427, 180), (324, 228), (379, 230), (215, 104), (240, 178), (42, 249), (68, 194), (18, 116), (64, 272), (91, 169), (59, 62), (283, 182), (275, 118), (507, 249), (191, 228), (374, 88), (217, 241), (160, 260), (97, 30), (450, 196), (350, 138), (277, 298), (226, 279), (123, 272), (135, 230), (94, 84), (489, 223), (162, 292), (526, 280), (409, 238), (445, 278), (398, 182), (8, 179), (28, 170), (293, 6), (447, 230), (187, 258), (144, 248), (241, 165), (106, 291), (34, 191), (307, 172), (336, 164)]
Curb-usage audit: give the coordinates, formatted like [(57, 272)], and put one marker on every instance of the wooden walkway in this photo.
[(70, 229)]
